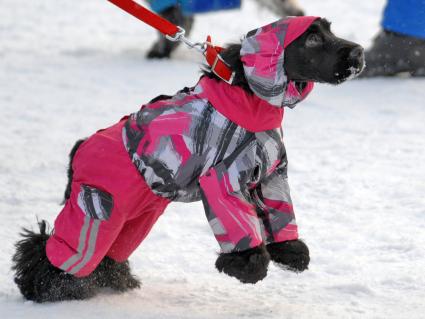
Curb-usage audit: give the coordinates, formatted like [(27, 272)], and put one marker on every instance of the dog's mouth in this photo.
[(355, 71), (349, 72), (351, 66)]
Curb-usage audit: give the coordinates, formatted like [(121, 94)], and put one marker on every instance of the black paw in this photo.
[(52, 284), (115, 275), (249, 266), (292, 255)]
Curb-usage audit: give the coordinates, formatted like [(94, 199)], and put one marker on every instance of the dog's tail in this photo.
[(70, 169), (29, 258)]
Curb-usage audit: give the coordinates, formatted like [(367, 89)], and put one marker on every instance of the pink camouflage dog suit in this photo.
[(214, 142)]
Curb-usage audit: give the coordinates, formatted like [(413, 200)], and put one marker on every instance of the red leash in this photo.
[(176, 33)]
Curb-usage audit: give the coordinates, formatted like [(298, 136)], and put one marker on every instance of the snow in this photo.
[(356, 154)]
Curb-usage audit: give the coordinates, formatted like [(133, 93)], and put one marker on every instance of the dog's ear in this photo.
[(295, 61), (231, 55)]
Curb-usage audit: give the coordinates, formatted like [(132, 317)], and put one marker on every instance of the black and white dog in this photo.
[(316, 55)]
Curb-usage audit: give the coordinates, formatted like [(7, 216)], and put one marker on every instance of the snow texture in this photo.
[(356, 167)]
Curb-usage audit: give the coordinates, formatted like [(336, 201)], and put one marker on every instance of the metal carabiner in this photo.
[(179, 36)]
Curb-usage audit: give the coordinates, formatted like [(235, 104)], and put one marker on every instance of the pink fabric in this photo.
[(279, 205), (268, 43), (103, 163), (239, 224), (160, 127), (296, 27), (290, 232), (292, 94), (245, 109), (181, 148)]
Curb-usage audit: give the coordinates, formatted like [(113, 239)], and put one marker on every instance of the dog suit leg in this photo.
[(233, 219), (274, 206), (135, 230), (235, 225), (84, 230)]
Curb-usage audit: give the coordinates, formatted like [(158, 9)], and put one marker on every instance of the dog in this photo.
[(216, 142)]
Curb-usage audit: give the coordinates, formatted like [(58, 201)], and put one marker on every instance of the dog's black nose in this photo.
[(356, 53)]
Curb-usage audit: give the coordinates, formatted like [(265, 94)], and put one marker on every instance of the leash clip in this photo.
[(218, 66), (179, 36)]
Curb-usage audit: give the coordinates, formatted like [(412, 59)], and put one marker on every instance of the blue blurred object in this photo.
[(406, 17), (190, 7), (161, 5)]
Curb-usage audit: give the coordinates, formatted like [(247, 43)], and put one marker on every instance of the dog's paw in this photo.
[(52, 285), (249, 266), (291, 255), (115, 275)]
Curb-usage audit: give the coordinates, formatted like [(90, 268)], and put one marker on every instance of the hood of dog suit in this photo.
[(262, 55)]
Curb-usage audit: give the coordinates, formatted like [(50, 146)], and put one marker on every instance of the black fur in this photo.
[(40, 281), (70, 171), (291, 255), (115, 275), (249, 266)]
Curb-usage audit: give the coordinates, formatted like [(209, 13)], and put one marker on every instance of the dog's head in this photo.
[(280, 61), (319, 56)]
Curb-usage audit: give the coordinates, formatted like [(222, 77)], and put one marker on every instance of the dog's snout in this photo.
[(356, 53)]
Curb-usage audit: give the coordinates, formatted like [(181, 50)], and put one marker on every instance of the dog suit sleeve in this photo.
[(230, 213), (274, 205)]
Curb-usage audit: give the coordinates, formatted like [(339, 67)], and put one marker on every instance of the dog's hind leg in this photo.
[(38, 279), (70, 171)]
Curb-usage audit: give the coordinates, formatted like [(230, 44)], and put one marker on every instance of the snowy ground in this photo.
[(356, 155)]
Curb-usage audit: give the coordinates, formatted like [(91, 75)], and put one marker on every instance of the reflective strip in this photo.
[(226, 247), (90, 249), (217, 227), (256, 225), (80, 249)]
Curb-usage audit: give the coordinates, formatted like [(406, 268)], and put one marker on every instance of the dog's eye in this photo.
[(313, 40)]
